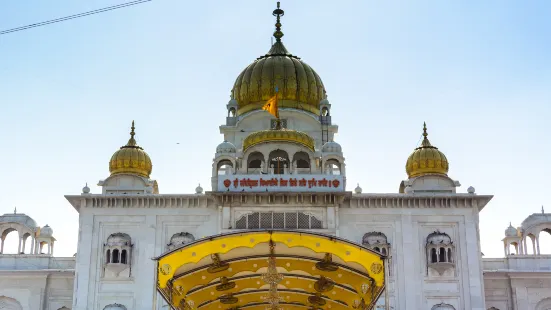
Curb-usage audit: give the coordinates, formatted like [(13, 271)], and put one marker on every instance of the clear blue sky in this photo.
[(478, 72)]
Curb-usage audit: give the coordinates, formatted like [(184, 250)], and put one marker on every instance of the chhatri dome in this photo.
[(426, 159), (299, 86), (131, 159)]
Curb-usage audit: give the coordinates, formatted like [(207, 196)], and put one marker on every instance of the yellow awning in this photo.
[(271, 270)]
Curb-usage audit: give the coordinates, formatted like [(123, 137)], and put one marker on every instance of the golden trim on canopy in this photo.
[(187, 280), (283, 135)]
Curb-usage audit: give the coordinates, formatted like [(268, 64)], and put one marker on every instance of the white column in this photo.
[(538, 243), (52, 246), (533, 246), (2, 246), (24, 244), (19, 247), (32, 245)]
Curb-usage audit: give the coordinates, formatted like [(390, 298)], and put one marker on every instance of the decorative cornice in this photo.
[(141, 201), (342, 199), (424, 200)]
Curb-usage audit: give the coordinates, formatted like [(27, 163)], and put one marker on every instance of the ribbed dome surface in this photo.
[(299, 86)]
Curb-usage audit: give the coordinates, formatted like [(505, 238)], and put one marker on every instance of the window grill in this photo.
[(282, 120), (278, 220)]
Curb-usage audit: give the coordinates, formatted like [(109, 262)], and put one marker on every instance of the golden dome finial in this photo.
[(426, 159), (426, 142), (278, 12), (131, 158), (132, 141)]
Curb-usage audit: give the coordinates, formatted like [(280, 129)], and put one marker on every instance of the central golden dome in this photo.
[(299, 86)]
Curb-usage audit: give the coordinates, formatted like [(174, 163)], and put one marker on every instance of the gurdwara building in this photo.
[(282, 230)]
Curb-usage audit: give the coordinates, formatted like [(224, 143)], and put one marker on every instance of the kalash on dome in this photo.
[(281, 230)]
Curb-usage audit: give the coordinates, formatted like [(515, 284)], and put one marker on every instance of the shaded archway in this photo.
[(301, 163), (255, 162), (224, 167)]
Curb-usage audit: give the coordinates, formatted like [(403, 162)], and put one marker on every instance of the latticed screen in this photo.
[(283, 123), (275, 220)]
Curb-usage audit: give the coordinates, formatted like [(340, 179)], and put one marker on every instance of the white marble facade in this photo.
[(428, 227)]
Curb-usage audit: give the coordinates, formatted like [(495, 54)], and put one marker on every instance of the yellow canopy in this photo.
[(271, 270)]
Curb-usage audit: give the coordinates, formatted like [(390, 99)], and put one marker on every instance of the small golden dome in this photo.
[(426, 159), (131, 159), (299, 86), (278, 135)]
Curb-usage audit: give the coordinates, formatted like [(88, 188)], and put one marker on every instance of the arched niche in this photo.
[(117, 255), (180, 239), (440, 252)]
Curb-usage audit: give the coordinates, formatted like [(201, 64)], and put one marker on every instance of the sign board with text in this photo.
[(280, 183)]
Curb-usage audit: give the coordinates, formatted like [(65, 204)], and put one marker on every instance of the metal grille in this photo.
[(241, 223), (283, 123), (279, 220), (315, 223), (265, 220), (274, 220), (290, 220), (303, 221), (253, 221)]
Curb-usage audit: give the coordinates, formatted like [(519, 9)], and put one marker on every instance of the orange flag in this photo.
[(271, 106)]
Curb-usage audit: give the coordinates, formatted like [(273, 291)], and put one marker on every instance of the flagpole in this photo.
[(278, 121)]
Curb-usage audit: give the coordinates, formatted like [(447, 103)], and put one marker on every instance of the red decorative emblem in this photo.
[(227, 183), (336, 183)]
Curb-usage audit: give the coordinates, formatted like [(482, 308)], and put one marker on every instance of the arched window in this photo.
[(442, 256), (231, 112), (10, 241), (450, 256), (301, 163), (384, 251), (108, 257), (332, 167), (545, 241), (279, 161), (377, 249), (115, 258), (434, 257), (224, 167), (123, 257)]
